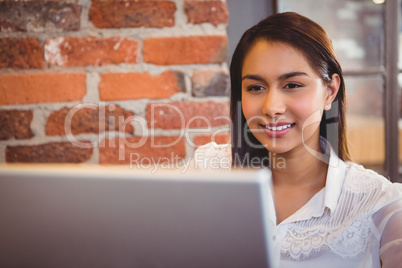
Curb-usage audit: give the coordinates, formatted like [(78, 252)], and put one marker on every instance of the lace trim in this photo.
[(346, 231), (300, 243)]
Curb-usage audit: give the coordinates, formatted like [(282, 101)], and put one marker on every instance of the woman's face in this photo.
[(283, 98)]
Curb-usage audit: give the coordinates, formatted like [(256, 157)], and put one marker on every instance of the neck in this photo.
[(301, 169)]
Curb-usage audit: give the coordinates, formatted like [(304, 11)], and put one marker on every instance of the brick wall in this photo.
[(100, 81)]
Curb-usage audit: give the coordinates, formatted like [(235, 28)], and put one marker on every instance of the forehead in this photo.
[(275, 57)]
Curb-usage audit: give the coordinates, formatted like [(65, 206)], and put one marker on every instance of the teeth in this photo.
[(279, 128)]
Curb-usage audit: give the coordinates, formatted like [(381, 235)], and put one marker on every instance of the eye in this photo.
[(292, 86), (255, 88)]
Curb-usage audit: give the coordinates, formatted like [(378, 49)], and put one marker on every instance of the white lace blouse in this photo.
[(354, 221)]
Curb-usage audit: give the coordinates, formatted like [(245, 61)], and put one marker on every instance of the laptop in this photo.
[(117, 217)]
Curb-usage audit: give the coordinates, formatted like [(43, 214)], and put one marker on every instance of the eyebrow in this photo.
[(292, 74), (282, 77), (253, 77)]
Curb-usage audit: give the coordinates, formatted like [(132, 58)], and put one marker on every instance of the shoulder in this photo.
[(360, 178), (366, 184), (380, 201), (213, 156)]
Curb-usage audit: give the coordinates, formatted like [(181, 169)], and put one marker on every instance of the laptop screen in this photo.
[(110, 217)]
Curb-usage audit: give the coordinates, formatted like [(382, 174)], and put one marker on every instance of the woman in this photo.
[(287, 89)]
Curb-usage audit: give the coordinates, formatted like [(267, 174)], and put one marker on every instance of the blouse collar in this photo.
[(328, 197), (335, 178)]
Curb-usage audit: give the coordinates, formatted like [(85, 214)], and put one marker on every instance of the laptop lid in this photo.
[(110, 217)]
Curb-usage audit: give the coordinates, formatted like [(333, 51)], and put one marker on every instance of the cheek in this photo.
[(308, 113), (249, 107), (307, 106), (303, 109)]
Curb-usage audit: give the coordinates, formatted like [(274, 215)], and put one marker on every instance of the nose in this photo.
[(274, 104)]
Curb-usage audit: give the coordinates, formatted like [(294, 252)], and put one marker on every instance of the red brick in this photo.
[(214, 12), (41, 87), (221, 138), (185, 50), (78, 51), (177, 115), (55, 152), (210, 83), (21, 53), (86, 120), (15, 124), (132, 13), (147, 153), (122, 86), (39, 16)]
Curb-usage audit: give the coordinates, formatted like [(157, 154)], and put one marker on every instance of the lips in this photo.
[(278, 129)]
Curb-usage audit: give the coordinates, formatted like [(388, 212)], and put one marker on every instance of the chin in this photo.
[(277, 148)]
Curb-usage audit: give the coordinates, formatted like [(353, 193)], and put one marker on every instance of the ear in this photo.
[(332, 91)]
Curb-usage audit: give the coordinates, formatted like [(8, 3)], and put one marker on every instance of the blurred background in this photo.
[(121, 70)]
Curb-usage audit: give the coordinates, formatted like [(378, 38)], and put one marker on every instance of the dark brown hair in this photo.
[(313, 42)]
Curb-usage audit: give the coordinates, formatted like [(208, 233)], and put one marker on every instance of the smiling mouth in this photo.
[(277, 128)]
